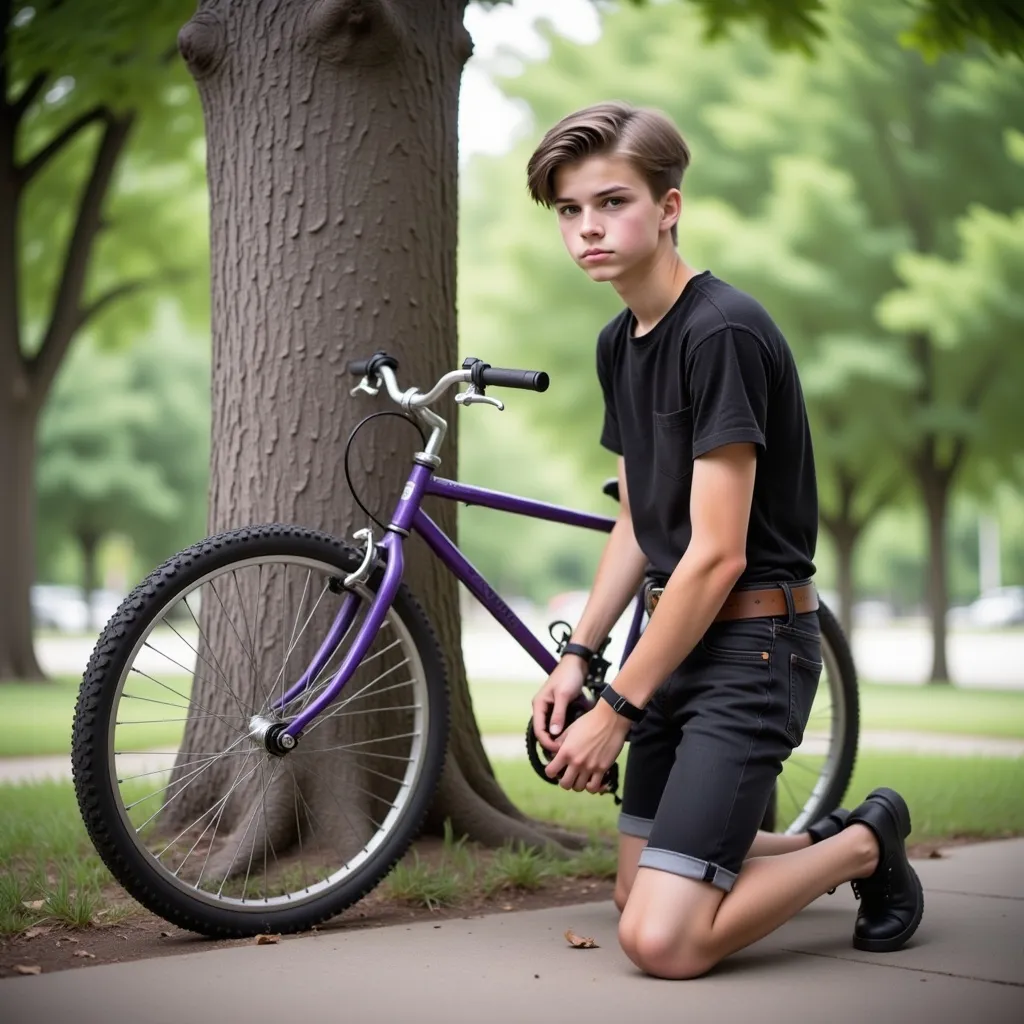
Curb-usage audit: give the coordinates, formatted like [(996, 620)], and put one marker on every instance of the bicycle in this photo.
[(214, 818)]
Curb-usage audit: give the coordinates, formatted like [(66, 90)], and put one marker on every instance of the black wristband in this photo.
[(580, 651), (621, 706)]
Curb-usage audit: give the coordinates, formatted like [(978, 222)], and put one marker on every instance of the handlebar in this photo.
[(380, 370), (474, 371)]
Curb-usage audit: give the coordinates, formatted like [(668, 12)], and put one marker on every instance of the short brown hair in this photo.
[(644, 136)]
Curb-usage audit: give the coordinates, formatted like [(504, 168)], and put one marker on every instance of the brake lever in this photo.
[(471, 396), (366, 388)]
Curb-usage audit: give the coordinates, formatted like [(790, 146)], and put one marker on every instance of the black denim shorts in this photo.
[(703, 761)]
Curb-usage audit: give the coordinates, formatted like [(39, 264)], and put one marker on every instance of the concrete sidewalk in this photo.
[(966, 963)]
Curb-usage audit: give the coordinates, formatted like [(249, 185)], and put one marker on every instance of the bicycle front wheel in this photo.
[(183, 800)]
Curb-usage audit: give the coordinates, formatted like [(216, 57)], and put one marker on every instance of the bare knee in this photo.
[(664, 952)]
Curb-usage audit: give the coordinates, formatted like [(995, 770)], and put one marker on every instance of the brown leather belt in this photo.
[(760, 603)]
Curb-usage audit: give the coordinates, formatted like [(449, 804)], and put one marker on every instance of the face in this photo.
[(610, 222)]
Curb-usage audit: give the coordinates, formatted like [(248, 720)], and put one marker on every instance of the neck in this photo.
[(652, 289)]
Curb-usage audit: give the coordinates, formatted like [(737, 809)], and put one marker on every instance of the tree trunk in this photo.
[(89, 543), (845, 540), (935, 488), (332, 162), (17, 535), (17, 442)]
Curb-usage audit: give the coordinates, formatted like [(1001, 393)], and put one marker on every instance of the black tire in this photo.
[(838, 660), (97, 791)]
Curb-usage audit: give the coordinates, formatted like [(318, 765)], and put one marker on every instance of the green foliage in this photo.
[(123, 447), (82, 58)]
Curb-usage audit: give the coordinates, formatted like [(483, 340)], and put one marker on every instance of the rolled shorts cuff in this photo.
[(688, 867), (631, 825)]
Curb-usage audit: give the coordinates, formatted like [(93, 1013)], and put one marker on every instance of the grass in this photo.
[(49, 872), (943, 709), (35, 719)]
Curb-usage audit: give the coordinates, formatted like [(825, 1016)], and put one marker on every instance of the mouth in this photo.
[(595, 255)]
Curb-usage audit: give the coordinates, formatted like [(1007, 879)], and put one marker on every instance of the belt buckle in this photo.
[(651, 595)]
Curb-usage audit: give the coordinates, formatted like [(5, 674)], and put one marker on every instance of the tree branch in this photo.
[(123, 290), (32, 167), (28, 94), (64, 318)]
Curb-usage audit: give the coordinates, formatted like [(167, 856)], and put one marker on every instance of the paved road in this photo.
[(966, 963), (896, 654)]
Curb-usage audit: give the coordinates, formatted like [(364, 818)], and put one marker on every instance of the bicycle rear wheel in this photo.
[(815, 776), (181, 797)]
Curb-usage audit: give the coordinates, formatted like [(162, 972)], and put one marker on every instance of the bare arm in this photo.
[(618, 576), (720, 499)]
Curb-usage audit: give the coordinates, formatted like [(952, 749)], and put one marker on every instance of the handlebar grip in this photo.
[(367, 367), (527, 380)]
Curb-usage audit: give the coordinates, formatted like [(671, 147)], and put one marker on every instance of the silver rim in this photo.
[(323, 797), (810, 770)]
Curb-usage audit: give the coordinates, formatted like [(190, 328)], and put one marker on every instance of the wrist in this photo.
[(620, 706)]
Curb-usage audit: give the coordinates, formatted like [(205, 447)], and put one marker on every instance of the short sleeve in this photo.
[(610, 436), (728, 376)]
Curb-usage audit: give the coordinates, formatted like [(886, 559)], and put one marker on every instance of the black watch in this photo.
[(580, 651), (621, 706)]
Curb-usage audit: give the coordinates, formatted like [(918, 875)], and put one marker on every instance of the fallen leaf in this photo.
[(37, 930), (267, 940), (165, 935), (507, 906), (33, 904), (27, 969), (579, 941), (935, 855), (85, 953)]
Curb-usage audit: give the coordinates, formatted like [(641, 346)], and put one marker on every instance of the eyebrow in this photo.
[(597, 195)]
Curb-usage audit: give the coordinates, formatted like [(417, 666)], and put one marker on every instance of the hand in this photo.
[(563, 686), (589, 748)]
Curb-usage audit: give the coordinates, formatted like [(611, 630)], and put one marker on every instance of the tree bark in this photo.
[(332, 162)]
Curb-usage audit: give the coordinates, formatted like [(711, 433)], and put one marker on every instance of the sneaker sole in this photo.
[(900, 940)]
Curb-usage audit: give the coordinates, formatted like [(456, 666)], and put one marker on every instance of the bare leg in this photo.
[(770, 844), (675, 927), (630, 848)]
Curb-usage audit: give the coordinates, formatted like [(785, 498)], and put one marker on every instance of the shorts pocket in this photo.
[(803, 685), (673, 443)]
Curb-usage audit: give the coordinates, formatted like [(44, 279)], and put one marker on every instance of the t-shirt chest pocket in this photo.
[(673, 443)]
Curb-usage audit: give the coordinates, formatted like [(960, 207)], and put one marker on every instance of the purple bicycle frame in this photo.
[(409, 516)]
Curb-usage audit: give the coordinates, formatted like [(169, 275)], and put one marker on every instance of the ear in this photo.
[(671, 206)]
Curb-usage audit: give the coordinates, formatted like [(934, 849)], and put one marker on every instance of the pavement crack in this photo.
[(904, 967)]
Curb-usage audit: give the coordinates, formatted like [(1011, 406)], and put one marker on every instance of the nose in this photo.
[(590, 226)]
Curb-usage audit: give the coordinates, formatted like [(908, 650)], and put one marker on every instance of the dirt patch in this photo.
[(141, 935)]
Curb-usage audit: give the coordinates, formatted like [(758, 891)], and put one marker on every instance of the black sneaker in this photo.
[(891, 899), (829, 826)]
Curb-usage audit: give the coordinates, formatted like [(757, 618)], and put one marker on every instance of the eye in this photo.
[(568, 210), (615, 201)]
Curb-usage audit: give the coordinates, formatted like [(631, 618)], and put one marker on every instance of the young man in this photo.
[(719, 505)]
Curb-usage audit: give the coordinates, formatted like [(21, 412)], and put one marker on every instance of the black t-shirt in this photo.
[(714, 370)]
